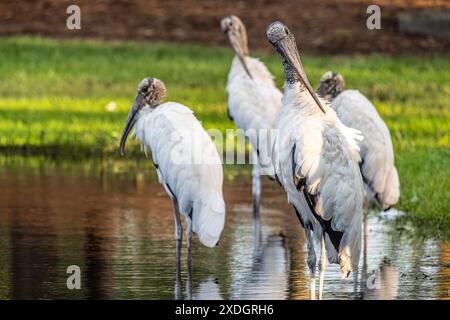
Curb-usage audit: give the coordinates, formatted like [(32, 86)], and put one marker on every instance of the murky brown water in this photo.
[(115, 222)]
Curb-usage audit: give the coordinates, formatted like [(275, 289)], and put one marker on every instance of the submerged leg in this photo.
[(188, 256), (365, 213), (178, 238), (362, 287), (178, 271), (323, 266), (311, 263), (256, 186), (355, 281)]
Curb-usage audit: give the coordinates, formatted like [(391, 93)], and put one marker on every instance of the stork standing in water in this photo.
[(377, 154), (253, 101), (317, 162), (176, 138)]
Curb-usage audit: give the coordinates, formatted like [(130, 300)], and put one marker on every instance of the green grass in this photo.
[(53, 97)]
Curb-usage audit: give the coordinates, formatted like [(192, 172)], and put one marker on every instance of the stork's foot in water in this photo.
[(188, 256), (322, 267), (178, 239), (311, 264), (256, 186), (178, 271), (188, 277)]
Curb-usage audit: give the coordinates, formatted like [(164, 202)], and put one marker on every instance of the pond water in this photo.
[(114, 221)]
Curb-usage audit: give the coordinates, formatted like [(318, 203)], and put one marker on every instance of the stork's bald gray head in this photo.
[(153, 90), (235, 29), (331, 84), (283, 40), (150, 92)]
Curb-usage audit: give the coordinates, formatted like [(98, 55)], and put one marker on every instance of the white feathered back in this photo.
[(378, 168), (188, 165)]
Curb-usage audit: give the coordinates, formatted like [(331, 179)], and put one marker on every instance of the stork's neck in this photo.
[(297, 97), (291, 74), (292, 77)]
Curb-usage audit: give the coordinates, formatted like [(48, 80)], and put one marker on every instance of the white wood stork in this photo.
[(377, 154), (253, 101), (316, 161), (185, 158)]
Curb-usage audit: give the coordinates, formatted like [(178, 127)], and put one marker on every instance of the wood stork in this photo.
[(377, 154), (253, 101), (316, 161), (185, 158)]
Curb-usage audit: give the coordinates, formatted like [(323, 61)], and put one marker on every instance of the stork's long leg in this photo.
[(188, 278), (178, 238), (178, 271), (188, 256), (176, 216), (323, 266), (188, 235), (355, 281), (311, 263), (362, 287), (366, 213), (256, 186)]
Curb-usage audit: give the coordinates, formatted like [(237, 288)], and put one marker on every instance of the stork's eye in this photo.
[(286, 31)]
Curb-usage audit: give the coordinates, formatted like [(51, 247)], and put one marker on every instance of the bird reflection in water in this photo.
[(178, 282), (381, 284), (268, 278)]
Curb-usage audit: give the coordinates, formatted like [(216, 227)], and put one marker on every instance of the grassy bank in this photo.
[(54, 99)]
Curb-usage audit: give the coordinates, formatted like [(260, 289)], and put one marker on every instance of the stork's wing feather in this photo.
[(377, 154), (324, 157), (253, 104), (327, 158), (188, 166)]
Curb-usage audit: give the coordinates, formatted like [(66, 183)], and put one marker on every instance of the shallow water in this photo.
[(115, 222)]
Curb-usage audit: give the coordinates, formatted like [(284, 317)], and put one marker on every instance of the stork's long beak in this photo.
[(289, 50), (138, 103), (236, 43)]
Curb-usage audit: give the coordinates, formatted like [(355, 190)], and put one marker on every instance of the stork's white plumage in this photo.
[(316, 160), (253, 101), (186, 160), (377, 154), (252, 104), (176, 139)]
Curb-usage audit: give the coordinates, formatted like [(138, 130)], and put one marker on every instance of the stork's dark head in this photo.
[(151, 92), (277, 32), (331, 84), (284, 41), (235, 29)]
